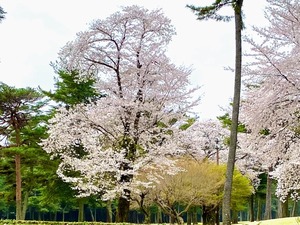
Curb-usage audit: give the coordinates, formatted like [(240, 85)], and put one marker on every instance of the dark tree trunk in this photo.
[(235, 217), (208, 215), (123, 210), (235, 113), (172, 220), (218, 215), (189, 217), (251, 208)]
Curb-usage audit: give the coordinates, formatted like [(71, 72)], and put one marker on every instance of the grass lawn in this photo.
[(282, 221)]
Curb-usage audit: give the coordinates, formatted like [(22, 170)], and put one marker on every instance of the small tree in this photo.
[(199, 183)]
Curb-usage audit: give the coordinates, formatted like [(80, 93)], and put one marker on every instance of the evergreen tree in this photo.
[(70, 90), (20, 114), (2, 14)]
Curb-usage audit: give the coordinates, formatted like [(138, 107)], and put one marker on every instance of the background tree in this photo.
[(205, 139), (2, 14), (210, 12), (129, 128), (272, 103), (19, 107)]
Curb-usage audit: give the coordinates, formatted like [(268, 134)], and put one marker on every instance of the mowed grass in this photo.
[(281, 221)]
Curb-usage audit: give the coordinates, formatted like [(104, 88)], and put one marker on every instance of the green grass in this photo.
[(282, 221)]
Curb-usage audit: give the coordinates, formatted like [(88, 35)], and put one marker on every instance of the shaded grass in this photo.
[(281, 221)]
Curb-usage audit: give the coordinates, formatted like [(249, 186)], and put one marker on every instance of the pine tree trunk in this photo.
[(18, 187), (268, 213), (226, 210)]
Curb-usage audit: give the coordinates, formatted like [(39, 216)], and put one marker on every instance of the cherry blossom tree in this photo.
[(205, 139), (271, 106), (132, 127)]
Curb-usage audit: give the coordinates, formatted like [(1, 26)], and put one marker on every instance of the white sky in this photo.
[(35, 30)]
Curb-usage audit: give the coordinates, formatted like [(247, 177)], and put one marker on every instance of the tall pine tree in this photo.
[(211, 12)]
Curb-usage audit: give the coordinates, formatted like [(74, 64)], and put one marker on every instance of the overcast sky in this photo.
[(35, 30)]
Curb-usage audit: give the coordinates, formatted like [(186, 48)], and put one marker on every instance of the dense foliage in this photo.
[(122, 143)]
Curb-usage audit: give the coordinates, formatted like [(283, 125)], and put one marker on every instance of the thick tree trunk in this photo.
[(283, 209), (226, 209), (235, 217), (268, 210), (123, 210), (208, 215)]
